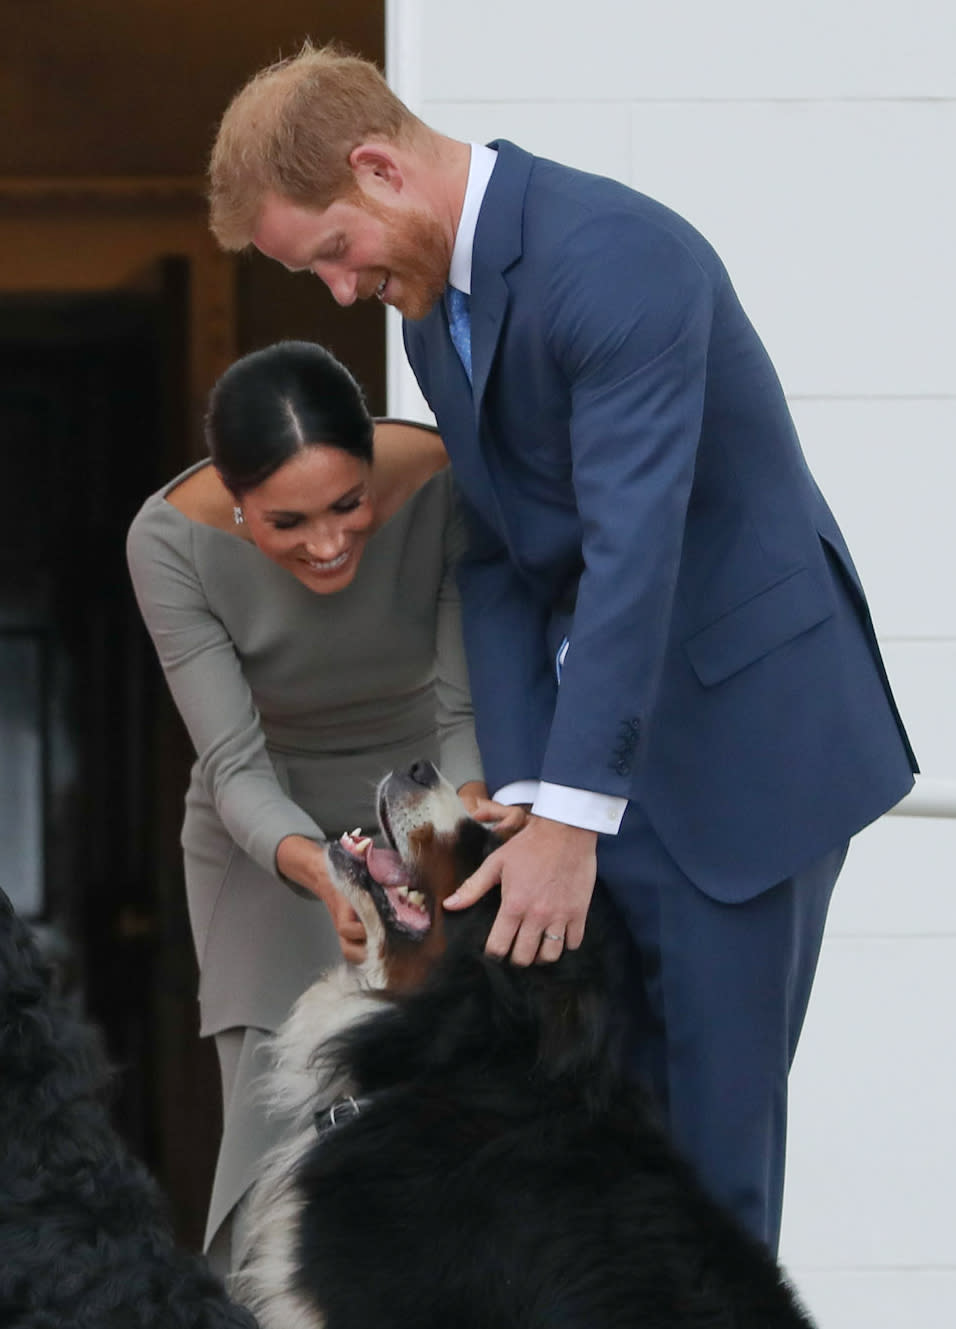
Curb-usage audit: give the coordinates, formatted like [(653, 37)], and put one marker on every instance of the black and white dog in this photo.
[(84, 1238), (465, 1151)]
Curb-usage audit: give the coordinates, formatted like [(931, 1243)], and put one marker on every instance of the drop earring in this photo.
[(237, 516)]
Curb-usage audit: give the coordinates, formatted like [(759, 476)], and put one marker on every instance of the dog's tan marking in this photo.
[(407, 963)]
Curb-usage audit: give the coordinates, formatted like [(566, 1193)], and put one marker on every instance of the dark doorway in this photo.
[(92, 418)]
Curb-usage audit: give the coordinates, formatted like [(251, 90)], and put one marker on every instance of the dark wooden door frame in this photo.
[(65, 238)]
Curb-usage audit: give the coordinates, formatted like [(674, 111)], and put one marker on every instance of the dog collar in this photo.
[(341, 1111)]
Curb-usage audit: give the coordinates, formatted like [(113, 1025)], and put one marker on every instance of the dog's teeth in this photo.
[(416, 898), (363, 846), (403, 892), (356, 834)]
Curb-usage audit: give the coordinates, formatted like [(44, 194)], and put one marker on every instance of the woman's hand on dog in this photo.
[(303, 861), (347, 924), (547, 874), (505, 819)]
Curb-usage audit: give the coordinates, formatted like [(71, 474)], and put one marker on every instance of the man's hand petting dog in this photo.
[(547, 874)]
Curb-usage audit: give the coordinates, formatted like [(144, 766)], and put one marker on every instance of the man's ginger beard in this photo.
[(417, 254)]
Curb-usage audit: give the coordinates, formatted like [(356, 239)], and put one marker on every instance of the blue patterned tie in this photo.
[(459, 325)]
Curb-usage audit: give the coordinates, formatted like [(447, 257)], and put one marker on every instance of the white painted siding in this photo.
[(814, 145)]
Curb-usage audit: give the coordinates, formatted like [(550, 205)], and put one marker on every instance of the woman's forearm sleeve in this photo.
[(210, 691), (458, 747)]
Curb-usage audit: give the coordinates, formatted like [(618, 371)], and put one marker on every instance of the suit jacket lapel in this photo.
[(450, 397), (457, 407), (497, 247)]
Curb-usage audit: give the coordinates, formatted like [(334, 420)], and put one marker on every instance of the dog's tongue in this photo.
[(385, 866)]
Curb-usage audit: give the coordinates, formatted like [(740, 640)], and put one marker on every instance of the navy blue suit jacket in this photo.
[(634, 479)]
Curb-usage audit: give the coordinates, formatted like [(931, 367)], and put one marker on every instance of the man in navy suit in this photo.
[(670, 652)]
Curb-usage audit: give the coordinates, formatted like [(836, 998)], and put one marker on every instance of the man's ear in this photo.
[(376, 167)]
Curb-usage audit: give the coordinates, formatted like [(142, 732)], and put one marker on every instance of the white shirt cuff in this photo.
[(575, 807), (519, 791)]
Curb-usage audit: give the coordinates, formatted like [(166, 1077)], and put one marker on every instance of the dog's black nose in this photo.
[(424, 773)]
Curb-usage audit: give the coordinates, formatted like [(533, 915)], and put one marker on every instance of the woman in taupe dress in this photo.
[(303, 607)]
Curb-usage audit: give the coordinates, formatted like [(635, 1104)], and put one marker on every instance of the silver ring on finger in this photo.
[(553, 936)]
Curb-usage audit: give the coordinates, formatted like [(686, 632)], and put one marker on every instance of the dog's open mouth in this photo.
[(420, 814), (388, 881)]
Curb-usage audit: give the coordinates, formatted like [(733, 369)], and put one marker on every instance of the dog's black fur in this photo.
[(502, 1172), (85, 1242)]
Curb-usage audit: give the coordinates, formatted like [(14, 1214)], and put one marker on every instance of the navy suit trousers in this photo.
[(716, 995)]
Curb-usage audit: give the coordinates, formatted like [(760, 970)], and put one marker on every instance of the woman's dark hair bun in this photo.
[(272, 403)]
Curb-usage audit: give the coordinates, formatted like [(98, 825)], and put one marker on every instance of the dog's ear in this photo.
[(473, 843)]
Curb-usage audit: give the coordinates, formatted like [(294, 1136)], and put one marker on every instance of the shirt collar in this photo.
[(479, 173)]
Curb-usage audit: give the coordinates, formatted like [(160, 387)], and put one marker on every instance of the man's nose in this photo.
[(343, 285)]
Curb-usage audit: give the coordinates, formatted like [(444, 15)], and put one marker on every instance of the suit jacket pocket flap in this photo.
[(758, 626)]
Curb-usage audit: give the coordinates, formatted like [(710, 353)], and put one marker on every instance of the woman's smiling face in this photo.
[(313, 516)]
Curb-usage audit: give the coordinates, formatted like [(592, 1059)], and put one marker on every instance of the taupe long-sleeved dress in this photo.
[(297, 704)]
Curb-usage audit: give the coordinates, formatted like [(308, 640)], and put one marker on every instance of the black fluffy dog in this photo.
[(467, 1153), (84, 1239)]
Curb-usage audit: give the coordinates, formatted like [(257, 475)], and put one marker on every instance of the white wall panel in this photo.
[(894, 1299), (813, 145), (510, 49), (592, 136), (891, 885), (797, 199), (872, 1159), (888, 470), (405, 401), (923, 675), (836, 224)]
